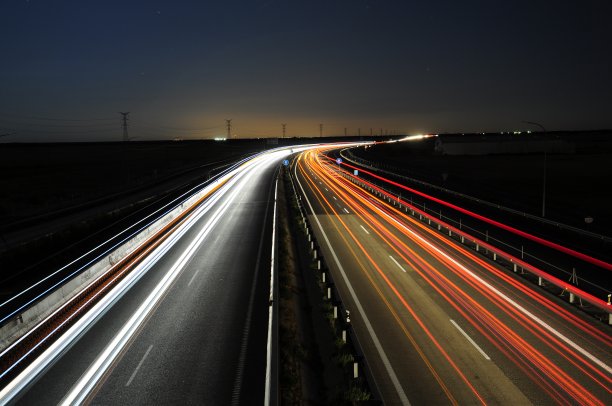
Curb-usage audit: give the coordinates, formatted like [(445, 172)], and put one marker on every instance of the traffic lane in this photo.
[(189, 350), (59, 377), (488, 273), (551, 325), (548, 353), (408, 347)]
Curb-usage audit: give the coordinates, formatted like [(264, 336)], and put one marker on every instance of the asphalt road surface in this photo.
[(202, 340), (439, 323)]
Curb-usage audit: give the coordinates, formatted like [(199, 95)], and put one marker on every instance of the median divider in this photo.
[(350, 352)]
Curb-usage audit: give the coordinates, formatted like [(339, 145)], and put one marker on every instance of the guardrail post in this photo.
[(572, 298)]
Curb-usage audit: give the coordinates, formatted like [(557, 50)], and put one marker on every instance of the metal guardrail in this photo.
[(340, 312), (479, 245), (9, 309), (349, 156)]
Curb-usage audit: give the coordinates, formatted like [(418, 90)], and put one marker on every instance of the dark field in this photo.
[(41, 178)]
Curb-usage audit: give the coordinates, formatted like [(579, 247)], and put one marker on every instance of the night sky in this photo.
[(182, 67)]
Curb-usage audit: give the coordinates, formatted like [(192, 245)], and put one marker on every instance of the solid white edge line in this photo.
[(480, 350), (373, 336), (526, 312), (139, 365), (364, 229), (271, 307), (397, 263)]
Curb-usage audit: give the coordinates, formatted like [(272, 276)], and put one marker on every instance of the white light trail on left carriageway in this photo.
[(88, 319)]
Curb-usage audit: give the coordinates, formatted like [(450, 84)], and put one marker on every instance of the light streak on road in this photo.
[(219, 196), (563, 355), (558, 247)]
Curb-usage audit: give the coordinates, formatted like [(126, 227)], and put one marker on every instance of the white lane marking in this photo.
[(81, 389), (397, 263), (347, 212), (327, 190), (193, 277), (138, 366), (484, 354), (366, 321), (57, 348), (268, 383), (526, 312), (334, 197), (364, 229)]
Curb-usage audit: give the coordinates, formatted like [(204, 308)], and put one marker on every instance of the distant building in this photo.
[(474, 144)]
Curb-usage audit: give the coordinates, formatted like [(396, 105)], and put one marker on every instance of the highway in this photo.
[(440, 324), (192, 325)]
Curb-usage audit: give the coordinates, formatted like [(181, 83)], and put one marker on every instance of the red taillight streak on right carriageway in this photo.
[(550, 244), (402, 300), (514, 341), (538, 272), (570, 317)]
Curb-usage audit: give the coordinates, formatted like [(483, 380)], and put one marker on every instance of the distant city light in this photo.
[(220, 138)]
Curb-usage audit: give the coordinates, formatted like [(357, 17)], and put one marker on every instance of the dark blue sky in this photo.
[(182, 67)]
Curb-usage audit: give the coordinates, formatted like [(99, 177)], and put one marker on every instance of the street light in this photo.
[(545, 163)]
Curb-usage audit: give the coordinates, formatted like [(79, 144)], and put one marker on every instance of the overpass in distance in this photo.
[(438, 323)]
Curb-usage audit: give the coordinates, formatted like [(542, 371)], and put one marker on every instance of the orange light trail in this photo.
[(551, 378)]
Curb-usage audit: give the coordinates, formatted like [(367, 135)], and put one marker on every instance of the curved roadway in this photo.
[(440, 324), (202, 339)]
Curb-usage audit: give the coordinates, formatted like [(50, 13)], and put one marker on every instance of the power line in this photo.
[(18, 116)]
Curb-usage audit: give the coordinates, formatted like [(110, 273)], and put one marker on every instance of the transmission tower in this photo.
[(228, 124), (284, 129), (124, 125), (320, 130)]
